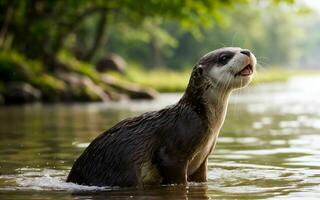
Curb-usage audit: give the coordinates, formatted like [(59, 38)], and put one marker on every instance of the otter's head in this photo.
[(227, 68)]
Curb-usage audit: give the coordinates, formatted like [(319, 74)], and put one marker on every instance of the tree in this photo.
[(38, 28)]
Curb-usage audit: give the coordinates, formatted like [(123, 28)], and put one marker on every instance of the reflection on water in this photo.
[(269, 147)]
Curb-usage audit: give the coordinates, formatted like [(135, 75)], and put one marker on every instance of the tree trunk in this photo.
[(71, 27), (5, 26), (155, 53), (100, 30)]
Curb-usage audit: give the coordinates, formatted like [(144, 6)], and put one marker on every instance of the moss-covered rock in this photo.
[(111, 62), (133, 91), (52, 88), (78, 67), (82, 88), (24, 80), (20, 92)]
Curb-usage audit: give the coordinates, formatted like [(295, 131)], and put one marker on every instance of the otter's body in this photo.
[(171, 145)]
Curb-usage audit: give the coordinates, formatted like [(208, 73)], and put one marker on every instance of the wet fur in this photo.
[(116, 157), (162, 147)]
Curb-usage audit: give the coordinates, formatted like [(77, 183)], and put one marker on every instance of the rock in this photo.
[(51, 88), (82, 88), (137, 92), (133, 91), (112, 62), (19, 92)]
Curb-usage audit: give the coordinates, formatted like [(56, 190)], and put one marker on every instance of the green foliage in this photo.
[(271, 31), (12, 71), (15, 67), (40, 27)]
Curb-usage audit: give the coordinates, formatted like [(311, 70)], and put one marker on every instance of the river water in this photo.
[(268, 148)]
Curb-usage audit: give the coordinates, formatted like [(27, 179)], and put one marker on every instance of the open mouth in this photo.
[(247, 71)]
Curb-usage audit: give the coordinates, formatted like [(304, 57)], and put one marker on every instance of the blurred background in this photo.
[(68, 51), (71, 69)]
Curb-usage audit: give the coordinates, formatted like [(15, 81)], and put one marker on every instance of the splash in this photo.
[(43, 179)]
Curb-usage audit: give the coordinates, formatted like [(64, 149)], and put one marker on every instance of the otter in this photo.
[(172, 145)]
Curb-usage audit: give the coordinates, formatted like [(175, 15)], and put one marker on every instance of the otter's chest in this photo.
[(202, 153)]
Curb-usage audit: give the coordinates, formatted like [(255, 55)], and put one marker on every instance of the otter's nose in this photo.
[(245, 52)]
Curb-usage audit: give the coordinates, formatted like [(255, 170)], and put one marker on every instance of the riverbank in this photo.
[(24, 80)]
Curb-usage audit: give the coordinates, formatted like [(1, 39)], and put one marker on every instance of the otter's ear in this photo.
[(199, 70)]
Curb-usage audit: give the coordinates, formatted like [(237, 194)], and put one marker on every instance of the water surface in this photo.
[(268, 147)]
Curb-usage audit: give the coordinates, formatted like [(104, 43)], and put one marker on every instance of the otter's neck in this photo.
[(210, 103), (216, 105)]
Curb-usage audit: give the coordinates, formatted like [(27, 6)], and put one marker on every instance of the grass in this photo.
[(277, 74), (164, 80)]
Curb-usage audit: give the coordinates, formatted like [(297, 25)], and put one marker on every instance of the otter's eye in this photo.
[(224, 58), (200, 71)]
